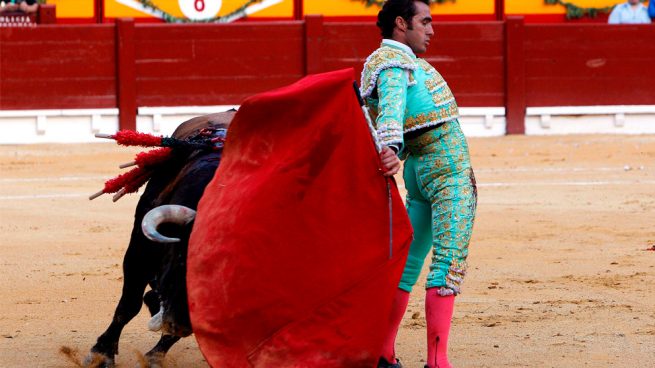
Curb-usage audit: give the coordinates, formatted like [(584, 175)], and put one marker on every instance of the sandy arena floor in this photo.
[(561, 272)]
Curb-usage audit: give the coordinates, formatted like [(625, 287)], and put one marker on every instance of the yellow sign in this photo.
[(344, 8), (204, 9), (74, 8), (199, 9), (518, 7)]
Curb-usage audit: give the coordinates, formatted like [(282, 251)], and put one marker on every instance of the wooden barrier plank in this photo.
[(515, 86), (469, 56), (58, 94), (253, 66), (196, 32), (126, 71), (582, 91), (57, 67), (314, 48), (241, 59), (209, 90), (59, 34), (44, 69), (576, 66), (553, 34), (47, 14), (589, 65)]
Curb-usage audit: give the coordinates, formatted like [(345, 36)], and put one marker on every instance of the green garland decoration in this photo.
[(576, 12), (572, 11), (379, 3), (238, 13)]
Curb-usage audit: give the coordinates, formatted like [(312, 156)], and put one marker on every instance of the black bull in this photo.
[(181, 181)]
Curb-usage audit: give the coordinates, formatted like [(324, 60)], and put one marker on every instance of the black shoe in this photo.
[(383, 363)]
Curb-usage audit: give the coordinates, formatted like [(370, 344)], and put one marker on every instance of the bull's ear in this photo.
[(170, 213)]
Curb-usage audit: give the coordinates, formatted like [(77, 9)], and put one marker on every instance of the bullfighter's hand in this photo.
[(390, 161)]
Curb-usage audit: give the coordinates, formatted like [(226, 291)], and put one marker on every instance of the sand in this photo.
[(562, 261)]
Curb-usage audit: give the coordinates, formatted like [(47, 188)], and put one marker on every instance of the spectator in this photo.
[(25, 6), (28, 6), (630, 12), (651, 9)]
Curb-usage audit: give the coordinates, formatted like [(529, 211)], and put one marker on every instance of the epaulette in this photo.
[(384, 58)]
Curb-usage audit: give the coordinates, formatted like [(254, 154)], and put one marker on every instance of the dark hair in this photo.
[(396, 8)]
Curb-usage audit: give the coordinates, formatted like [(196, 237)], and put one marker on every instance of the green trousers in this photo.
[(441, 202)]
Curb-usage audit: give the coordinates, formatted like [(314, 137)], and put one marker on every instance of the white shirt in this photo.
[(626, 14), (400, 45)]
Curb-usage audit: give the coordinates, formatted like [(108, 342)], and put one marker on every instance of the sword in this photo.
[(378, 147)]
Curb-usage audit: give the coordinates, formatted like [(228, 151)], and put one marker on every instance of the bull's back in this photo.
[(192, 126)]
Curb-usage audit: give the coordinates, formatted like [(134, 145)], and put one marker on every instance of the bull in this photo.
[(181, 181)]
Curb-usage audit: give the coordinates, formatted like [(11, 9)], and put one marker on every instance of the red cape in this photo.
[(289, 261)]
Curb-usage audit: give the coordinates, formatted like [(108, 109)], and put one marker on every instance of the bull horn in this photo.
[(170, 213)]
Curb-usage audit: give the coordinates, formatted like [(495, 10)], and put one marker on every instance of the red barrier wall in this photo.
[(469, 55), (589, 64), (486, 63), (199, 64), (57, 67)]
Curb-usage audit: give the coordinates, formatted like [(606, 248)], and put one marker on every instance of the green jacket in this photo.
[(404, 93)]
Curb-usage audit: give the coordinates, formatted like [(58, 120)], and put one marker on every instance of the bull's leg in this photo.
[(155, 357), (151, 300), (107, 344), (136, 275)]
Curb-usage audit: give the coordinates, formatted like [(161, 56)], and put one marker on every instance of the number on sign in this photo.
[(200, 9)]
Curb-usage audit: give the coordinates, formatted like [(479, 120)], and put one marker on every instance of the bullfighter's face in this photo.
[(417, 37)]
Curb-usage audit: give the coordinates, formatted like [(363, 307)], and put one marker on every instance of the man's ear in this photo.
[(401, 24)]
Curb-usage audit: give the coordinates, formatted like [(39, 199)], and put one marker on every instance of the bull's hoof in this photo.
[(154, 360), (97, 360)]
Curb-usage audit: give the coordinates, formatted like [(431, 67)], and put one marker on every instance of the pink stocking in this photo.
[(397, 312), (438, 314)]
